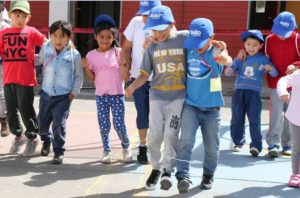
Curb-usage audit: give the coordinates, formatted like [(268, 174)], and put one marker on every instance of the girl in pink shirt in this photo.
[(101, 66), (292, 114)]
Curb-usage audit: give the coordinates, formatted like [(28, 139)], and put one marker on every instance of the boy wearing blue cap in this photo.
[(202, 103), (248, 85), (165, 59), (283, 48), (135, 43)]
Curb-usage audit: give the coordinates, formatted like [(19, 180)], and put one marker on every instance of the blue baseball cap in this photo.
[(284, 24), (104, 18), (159, 18), (146, 6), (200, 31), (254, 33)]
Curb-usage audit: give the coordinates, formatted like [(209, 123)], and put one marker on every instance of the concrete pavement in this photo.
[(82, 174)]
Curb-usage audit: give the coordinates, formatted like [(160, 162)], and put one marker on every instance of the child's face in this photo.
[(281, 37), (19, 19), (252, 46), (163, 35), (59, 39), (104, 39)]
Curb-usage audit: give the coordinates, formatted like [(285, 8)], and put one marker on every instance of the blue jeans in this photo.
[(209, 121), (141, 102), (54, 110), (246, 102)]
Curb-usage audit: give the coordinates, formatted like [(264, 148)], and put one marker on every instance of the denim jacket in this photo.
[(62, 72)]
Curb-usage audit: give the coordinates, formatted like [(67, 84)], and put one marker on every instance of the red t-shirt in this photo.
[(282, 54), (17, 48)]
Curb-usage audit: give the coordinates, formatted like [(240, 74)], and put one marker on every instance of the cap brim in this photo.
[(156, 27), (141, 12), (22, 9), (194, 43), (281, 32), (245, 35)]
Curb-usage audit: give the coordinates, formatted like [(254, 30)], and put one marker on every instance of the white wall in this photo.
[(58, 10)]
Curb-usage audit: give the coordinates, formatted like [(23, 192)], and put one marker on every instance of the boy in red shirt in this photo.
[(17, 47)]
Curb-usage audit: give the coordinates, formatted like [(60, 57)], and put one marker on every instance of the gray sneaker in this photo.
[(31, 147), (17, 144), (183, 186)]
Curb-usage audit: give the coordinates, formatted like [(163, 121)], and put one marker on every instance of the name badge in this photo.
[(215, 84)]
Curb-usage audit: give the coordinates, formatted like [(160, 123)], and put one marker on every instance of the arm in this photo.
[(85, 65), (224, 59), (139, 81), (125, 60), (78, 77), (282, 86)]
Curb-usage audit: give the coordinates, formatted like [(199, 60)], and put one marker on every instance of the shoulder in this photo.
[(135, 21), (182, 33)]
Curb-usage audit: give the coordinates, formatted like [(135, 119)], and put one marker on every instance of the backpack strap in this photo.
[(296, 42)]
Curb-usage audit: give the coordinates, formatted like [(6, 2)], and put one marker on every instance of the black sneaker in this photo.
[(183, 185), (57, 159), (142, 156), (152, 180), (207, 180), (45, 149), (165, 181)]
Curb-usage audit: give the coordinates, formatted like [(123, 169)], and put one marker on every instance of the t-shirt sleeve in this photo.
[(129, 31), (236, 65), (147, 63), (38, 37), (89, 58)]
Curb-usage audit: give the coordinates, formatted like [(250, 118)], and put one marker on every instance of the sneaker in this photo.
[(58, 159), (142, 156), (127, 157), (183, 186), (237, 148), (287, 150), (106, 158), (273, 151), (207, 180), (45, 149), (254, 151), (152, 180), (294, 181), (17, 144), (31, 147), (4, 129), (165, 181)]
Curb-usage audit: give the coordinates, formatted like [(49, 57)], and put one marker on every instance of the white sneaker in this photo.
[(17, 144), (106, 158), (127, 157), (237, 148), (31, 147)]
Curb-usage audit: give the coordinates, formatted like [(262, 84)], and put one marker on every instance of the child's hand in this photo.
[(129, 91), (290, 69), (84, 63), (124, 71), (71, 97), (241, 54), (268, 68), (228, 71), (284, 98), (219, 44)]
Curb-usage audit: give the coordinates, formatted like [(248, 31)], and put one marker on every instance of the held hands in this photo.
[(219, 44), (290, 69), (242, 54), (84, 63), (268, 68), (124, 70), (129, 91), (284, 98)]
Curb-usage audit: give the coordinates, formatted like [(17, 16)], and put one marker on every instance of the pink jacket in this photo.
[(293, 80)]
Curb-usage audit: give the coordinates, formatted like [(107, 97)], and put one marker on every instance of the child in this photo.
[(282, 47), (165, 59), (248, 85), (17, 46), (4, 23), (202, 103), (62, 80), (135, 42), (103, 69), (292, 114)]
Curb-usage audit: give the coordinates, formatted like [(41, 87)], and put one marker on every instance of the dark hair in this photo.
[(107, 26), (64, 26)]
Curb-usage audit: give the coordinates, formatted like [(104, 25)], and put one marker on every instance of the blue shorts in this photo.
[(141, 102)]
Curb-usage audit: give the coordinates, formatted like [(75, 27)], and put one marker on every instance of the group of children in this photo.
[(185, 93)]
